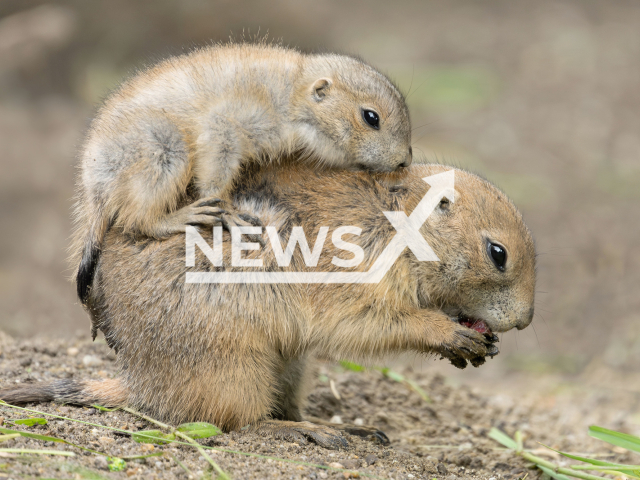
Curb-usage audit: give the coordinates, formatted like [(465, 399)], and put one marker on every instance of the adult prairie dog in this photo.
[(236, 354), (192, 121)]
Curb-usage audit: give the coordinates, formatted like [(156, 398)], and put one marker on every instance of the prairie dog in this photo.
[(235, 354), (192, 121)]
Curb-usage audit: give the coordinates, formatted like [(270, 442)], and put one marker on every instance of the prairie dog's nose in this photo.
[(409, 159), (525, 320)]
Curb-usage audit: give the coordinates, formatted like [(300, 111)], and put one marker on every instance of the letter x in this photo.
[(409, 235)]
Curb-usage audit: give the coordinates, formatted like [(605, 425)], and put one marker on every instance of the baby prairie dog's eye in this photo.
[(371, 118), (498, 255)]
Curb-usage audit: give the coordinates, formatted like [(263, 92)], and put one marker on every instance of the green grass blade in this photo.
[(35, 436), (591, 461), (395, 376), (416, 388), (153, 436), (38, 452), (4, 438), (624, 440), (503, 438), (552, 474), (632, 471), (105, 409)]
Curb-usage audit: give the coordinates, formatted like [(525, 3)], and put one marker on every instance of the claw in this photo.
[(492, 351), (458, 362), (476, 362)]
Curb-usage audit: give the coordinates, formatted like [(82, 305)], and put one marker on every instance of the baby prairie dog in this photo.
[(191, 122), (236, 354)]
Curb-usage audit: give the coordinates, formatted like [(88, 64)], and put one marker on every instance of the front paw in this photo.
[(469, 345)]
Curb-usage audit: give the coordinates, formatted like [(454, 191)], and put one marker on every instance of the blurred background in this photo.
[(543, 98)]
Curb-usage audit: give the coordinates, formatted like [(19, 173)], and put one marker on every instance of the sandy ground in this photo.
[(444, 438)]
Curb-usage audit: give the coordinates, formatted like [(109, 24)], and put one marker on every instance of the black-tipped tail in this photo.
[(86, 271), (108, 393)]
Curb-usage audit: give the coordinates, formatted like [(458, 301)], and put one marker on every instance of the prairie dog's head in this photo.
[(486, 273), (353, 115)]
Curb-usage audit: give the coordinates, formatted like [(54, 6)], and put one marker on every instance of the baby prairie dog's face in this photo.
[(366, 121)]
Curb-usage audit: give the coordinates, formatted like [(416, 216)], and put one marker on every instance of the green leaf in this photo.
[(153, 436), (552, 474), (199, 430), (354, 367), (116, 464), (30, 422), (503, 438), (619, 439)]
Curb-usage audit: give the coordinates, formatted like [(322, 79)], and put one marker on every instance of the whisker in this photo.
[(536, 334)]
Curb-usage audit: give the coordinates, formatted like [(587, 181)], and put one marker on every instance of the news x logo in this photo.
[(407, 236)]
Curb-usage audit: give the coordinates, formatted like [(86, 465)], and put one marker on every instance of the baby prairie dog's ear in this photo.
[(320, 88)]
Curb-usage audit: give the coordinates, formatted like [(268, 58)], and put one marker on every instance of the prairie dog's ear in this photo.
[(320, 88)]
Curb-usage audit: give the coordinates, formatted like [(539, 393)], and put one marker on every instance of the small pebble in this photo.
[(370, 459), (101, 463), (91, 361), (336, 465), (72, 351), (336, 419), (442, 469), (351, 464), (25, 362), (358, 421)]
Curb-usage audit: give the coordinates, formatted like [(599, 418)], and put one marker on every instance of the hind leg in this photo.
[(289, 401), (286, 421)]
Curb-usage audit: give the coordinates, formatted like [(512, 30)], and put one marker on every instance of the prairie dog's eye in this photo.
[(498, 255), (371, 118)]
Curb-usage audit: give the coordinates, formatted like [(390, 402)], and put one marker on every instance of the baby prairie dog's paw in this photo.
[(472, 341), (207, 212), (204, 212)]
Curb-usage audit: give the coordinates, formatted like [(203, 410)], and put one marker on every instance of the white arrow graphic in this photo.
[(407, 235)]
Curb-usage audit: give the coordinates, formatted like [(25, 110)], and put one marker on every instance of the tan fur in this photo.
[(236, 354), (195, 120), (227, 353)]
